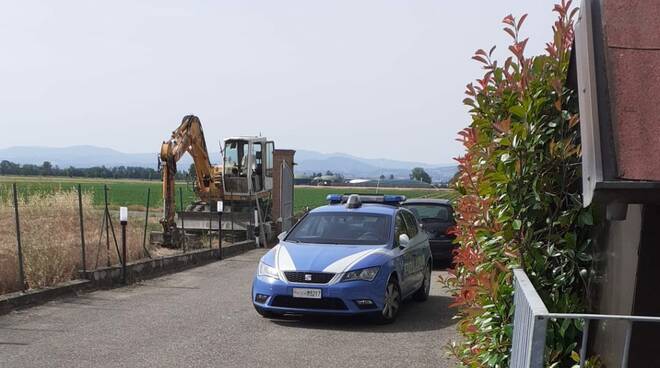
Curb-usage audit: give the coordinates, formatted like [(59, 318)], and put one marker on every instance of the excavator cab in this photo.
[(247, 179), (247, 166)]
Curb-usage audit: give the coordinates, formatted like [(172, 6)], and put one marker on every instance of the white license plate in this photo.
[(307, 293)]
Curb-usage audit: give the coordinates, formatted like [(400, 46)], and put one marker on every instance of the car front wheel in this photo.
[(392, 302)]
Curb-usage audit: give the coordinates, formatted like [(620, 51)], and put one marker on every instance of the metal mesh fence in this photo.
[(52, 245)]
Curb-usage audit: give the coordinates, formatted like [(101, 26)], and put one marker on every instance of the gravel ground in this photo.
[(203, 317)]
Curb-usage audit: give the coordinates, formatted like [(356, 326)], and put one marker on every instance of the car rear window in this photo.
[(431, 211), (342, 228)]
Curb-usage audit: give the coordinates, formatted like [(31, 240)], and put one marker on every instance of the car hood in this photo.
[(324, 258)]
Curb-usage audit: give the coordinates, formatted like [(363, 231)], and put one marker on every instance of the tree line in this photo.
[(117, 172), (416, 173)]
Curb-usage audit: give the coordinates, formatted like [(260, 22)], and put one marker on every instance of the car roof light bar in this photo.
[(389, 199), (334, 198)]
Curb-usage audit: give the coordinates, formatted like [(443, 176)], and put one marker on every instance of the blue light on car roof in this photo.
[(389, 198), (334, 198)]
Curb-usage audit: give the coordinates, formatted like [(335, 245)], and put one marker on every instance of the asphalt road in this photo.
[(203, 318)]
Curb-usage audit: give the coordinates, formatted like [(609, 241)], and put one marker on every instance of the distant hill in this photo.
[(304, 155), (352, 166), (83, 156), (307, 161)]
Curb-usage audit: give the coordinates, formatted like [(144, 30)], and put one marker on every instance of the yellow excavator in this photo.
[(243, 182), (188, 137)]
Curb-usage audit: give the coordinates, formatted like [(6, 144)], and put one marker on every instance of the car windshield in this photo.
[(431, 211), (342, 228)]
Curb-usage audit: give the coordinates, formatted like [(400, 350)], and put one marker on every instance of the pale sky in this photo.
[(377, 79)]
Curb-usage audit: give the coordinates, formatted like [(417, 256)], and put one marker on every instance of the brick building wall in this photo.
[(632, 43)]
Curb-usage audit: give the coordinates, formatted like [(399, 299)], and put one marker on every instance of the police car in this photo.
[(357, 255)]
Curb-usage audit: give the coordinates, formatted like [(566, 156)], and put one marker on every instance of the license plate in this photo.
[(307, 293)]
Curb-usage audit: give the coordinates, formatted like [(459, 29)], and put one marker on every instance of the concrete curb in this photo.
[(11, 301), (108, 277)]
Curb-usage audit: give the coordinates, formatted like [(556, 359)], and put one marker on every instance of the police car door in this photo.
[(406, 257), (417, 249)]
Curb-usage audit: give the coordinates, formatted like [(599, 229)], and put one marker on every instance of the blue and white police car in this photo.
[(357, 255)]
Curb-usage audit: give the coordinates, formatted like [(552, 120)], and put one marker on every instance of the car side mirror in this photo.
[(282, 236), (404, 240)]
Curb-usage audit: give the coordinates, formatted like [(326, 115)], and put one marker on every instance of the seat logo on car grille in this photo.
[(309, 277)]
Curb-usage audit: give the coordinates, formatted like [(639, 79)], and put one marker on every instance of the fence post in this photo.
[(210, 227), (257, 238), (82, 231), (231, 211), (114, 236), (146, 221), (250, 227), (220, 209), (123, 220), (21, 271), (110, 227), (106, 213), (183, 226)]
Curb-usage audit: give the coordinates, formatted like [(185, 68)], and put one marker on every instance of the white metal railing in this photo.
[(530, 323)]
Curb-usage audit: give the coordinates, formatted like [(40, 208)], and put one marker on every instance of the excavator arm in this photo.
[(188, 137)]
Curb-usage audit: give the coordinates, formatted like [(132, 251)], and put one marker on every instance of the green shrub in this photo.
[(521, 202)]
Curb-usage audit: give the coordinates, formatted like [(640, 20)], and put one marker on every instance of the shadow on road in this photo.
[(433, 314)]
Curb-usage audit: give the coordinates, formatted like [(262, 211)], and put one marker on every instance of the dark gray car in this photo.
[(437, 219)]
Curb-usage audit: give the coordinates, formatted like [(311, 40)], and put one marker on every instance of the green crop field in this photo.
[(315, 196), (133, 193)]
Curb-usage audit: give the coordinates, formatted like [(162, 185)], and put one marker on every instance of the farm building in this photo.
[(328, 180), (302, 180), (390, 183)]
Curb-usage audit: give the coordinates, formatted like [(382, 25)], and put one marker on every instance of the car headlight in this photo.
[(266, 270), (365, 274)]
